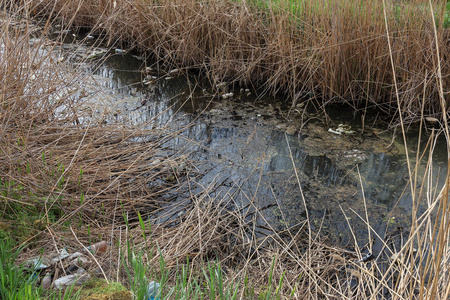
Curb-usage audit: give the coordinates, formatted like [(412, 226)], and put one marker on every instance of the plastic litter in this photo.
[(227, 95), (96, 54), (153, 292), (99, 247), (36, 264), (80, 261), (46, 281), (78, 278), (75, 255), (63, 254), (366, 258)]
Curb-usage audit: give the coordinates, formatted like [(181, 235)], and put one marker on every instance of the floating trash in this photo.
[(149, 70), (431, 119), (356, 155), (397, 257), (96, 54), (150, 80), (221, 85), (227, 95), (342, 129), (369, 256)]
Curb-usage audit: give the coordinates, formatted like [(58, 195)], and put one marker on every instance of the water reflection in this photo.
[(254, 162)]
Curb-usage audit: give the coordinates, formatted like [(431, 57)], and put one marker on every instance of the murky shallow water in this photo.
[(247, 148)]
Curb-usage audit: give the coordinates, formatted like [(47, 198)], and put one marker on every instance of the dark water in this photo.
[(240, 146)]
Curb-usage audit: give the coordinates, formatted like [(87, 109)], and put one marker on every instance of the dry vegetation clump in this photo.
[(92, 179), (335, 51), (62, 156)]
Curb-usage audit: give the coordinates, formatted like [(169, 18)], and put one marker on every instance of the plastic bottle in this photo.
[(99, 247), (153, 292)]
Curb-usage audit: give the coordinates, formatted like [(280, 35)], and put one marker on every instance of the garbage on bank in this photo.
[(153, 291), (63, 269)]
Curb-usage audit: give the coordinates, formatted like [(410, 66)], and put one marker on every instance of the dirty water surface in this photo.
[(276, 164)]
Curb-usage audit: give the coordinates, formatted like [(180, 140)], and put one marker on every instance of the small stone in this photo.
[(46, 281), (170, 177)]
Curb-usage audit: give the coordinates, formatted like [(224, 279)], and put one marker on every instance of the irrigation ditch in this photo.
[(218, 159)]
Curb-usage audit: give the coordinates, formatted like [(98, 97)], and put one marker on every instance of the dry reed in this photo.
[(335, 51), (55, 154)]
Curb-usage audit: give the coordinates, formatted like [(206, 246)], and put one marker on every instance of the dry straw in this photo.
[(100, 177), (333, 50)]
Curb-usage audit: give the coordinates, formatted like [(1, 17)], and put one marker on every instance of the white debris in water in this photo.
[(355, 155), (342, 129), (333, 131), (221, 85), (431, 119), (227, 95)]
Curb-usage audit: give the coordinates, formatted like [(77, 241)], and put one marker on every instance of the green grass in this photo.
[(97, 288), (188, 281), (17, 282), (447, 15), (21, 211)]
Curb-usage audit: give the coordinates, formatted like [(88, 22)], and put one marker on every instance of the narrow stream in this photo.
[(247, 147)]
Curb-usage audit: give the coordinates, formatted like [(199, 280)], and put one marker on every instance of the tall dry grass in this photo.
[(332, 50), (61, 150), (55, 153)]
